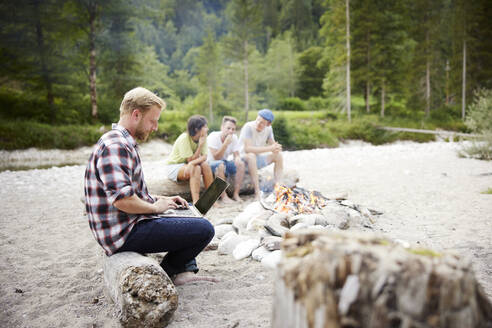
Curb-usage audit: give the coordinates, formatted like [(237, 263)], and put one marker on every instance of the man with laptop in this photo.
[(123, 216)]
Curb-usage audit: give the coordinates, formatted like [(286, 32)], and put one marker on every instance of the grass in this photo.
[(293, 129), (487, 192)]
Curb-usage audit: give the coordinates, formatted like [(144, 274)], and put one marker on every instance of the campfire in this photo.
[(297, 200)]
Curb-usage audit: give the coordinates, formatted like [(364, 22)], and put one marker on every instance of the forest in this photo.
[(339, 64)]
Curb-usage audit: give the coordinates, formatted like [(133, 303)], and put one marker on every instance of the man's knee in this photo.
[(220, 169), (197, 170), (207, 229), (277, 158), (239, 164)]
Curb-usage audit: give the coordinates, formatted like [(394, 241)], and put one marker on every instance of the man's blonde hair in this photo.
[(140, 98)]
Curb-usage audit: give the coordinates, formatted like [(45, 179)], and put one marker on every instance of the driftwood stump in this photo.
[(141, 290), (342, 279), (168, 187)]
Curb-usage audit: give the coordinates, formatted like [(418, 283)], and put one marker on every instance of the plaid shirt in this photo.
[(114, 172)]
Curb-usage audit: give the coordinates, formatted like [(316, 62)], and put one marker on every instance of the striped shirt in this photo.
[(114, 172)]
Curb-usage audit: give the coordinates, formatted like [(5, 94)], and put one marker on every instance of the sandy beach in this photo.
[(50, 265)]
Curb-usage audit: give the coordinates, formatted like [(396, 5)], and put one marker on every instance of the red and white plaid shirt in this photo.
[(114, 172)]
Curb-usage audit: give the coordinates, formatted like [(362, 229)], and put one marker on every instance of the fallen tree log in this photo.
[(342, 279), (141, 290), (168, 187)]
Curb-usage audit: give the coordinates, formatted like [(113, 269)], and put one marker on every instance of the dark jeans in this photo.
[(182, 238)]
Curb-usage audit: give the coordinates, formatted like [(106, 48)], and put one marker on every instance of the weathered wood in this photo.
[(168, 187), (342, 279), (141, 290)]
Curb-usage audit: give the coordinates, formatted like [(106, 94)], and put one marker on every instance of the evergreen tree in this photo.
[(245, 26), (208, 69)]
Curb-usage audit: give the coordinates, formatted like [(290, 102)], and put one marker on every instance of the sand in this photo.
[(50, 264)]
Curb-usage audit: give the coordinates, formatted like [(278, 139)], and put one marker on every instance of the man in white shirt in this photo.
[(257, 139), (221, 145)]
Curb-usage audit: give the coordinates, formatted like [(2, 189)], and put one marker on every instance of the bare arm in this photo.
[(249, 148), (135, 205), (219, 153), (197, 158)]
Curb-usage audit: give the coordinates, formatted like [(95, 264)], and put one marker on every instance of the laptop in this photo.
[(204, 203)]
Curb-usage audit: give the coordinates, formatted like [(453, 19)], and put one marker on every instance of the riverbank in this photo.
[(50, 264)]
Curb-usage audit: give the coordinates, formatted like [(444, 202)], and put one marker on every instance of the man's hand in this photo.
[(228, 139), (181, 202), (276, 148), (202, 140), (163, 204)]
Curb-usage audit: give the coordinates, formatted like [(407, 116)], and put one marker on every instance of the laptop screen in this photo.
[(211, 195)]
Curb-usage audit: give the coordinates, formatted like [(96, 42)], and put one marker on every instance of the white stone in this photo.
[(244, 249), (222, 229), (259, 253), (227, 245), (272, 259)]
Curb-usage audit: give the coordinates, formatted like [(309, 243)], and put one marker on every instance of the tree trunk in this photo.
[(427, 79), (92, 11), (246, 82), (141, 290), (463, 87), (368, 81), (168, 187), (210, 105), (447, 82), (349, 279), (383, 95), (347, 14), (46, 76)]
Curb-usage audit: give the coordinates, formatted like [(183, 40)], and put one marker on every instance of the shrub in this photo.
[(22, 134), (293, 103), (479, 120)]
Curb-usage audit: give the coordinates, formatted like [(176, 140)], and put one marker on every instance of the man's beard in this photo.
[(140, 133)]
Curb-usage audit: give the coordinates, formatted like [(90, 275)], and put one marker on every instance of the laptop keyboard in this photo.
[(184, 212)]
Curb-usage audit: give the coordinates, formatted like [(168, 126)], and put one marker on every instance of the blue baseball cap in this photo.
[(266, 114)]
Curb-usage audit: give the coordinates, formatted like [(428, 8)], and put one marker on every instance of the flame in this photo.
[(296, 200)]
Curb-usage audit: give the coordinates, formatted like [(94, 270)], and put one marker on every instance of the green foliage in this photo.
[(488, 191), (479, 117), (311, 73), (479, 120), (292, 103), (25, 134), (305, 134)]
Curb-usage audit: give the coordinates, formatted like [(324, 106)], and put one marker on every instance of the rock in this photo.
[(222, 229), (229, 242), (224, 221), (252, 210), (307, 219), (245, 248), (259, 253), (213, 245), (272, 259), (334, 215), (255, 224), (271, 243), (299, 226), (275, 225)]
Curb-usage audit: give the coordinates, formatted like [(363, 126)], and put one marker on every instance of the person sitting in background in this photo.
[(122, 215), (221, 145), (257, 139), (188, 158)]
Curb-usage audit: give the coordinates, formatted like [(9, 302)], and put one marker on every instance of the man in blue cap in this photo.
[(259, 147)]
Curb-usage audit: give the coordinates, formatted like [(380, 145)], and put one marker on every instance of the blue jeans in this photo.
[(230, 166), (182, 238)]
